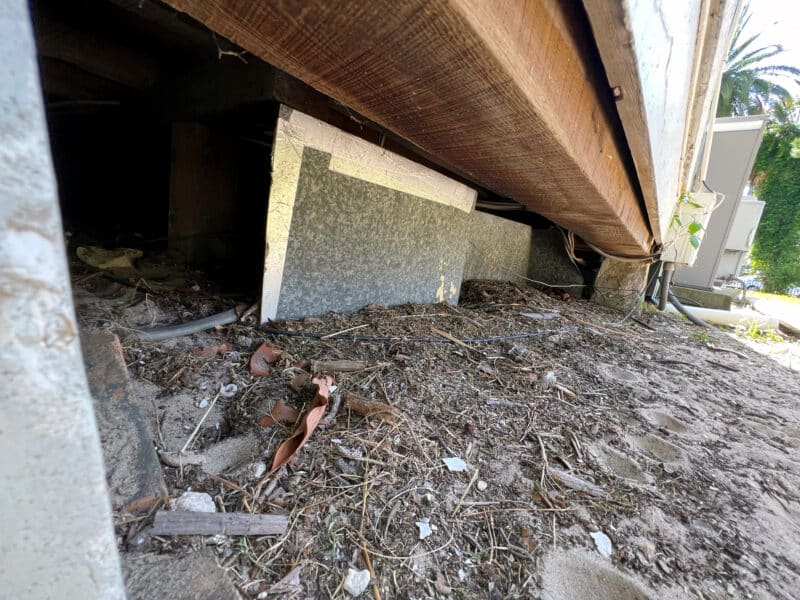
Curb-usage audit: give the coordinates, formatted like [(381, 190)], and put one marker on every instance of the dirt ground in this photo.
[(685, 458)]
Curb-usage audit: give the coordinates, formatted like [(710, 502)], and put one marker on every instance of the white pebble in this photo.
[(482, 485), (356, 582), (194, 502)]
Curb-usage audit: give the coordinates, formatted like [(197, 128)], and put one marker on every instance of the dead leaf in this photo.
[(343, 366), (298, 381), (208, 352), (143, 504), (441, 584), (288, 449), (280, 413), (369, 408), (265, 355), (289, 584), (527, 540)]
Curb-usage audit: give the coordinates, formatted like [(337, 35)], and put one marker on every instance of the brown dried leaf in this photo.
[(265, 355), (369, 408), (143, 504), (441, 584), (209, 352), (288, 449), (298, 381), (280, 413)]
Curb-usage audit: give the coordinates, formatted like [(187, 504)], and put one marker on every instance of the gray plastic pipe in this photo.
[(684, 311), (156, 334), (666, 281)]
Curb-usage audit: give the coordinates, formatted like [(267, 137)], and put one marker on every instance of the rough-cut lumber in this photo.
[(168, 522), (94, 53), (507, 92)]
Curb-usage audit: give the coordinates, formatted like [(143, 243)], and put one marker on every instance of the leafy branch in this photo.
[(694, 227)]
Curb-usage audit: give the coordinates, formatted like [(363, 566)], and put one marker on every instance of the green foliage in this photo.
[(702, 336), (776, 174), (693, 228), (746, 88), (758, 334)]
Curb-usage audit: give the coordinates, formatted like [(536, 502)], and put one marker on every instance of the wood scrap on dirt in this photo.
[(635, 446)]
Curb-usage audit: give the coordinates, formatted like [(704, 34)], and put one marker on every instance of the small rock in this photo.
[(455, 464), (602, 543), (194, 502), (482, 485), (549, 380), (258, 468), (228, 391), (356, 582)]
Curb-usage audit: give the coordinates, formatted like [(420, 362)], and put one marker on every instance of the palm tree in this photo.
[(746, 88)]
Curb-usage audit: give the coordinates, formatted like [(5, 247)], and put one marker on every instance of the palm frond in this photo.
[(747, 86)]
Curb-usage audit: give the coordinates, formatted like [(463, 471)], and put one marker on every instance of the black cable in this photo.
[(683, 310), (432, 340)]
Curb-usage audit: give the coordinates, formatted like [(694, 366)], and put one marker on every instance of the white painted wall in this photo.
[(665, 38)]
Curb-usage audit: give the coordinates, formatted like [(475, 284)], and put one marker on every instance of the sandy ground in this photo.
[(685, 458), (785, 351)]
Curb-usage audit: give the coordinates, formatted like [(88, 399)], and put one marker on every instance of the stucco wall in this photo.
[(497, 248), (351, 224), (57, 539)]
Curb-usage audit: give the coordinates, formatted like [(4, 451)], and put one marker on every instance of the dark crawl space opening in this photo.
[(161, 141), (161, 134)]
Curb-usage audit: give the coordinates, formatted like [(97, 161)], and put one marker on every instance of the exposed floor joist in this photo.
[(501, 91)]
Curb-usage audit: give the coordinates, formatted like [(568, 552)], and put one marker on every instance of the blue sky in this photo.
[(778, 21)]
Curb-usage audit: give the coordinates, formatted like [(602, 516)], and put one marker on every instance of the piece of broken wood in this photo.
[(728, 350), (453, 339), (175, 522), (576, 483)]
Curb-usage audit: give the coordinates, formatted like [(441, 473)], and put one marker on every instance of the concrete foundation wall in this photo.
[(620, 284), (351, 224), (549, 262), (497, 248), (57, 539)]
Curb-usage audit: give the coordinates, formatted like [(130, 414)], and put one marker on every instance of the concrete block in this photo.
[(132, 467), (351, 224), (620, 284), (549, 262), (57, 539), (704, 298), (497, 248), (194, 576)]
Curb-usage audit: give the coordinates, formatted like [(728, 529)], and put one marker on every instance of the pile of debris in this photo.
[(517, 445)]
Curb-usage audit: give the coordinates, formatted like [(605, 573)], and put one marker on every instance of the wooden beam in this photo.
[(67, 81), (94, 53), (505, 92)]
